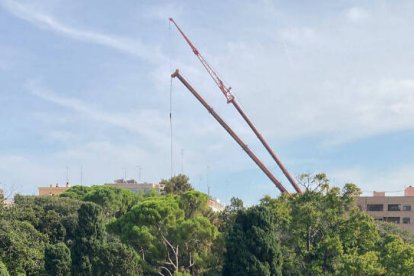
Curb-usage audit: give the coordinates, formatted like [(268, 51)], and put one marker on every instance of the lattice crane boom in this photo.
[(223, 88), (231, 99), (230, 131)]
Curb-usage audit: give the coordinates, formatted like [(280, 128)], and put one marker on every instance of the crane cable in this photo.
[(171, 122)]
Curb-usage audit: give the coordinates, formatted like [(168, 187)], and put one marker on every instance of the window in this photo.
[(407, 208), (392, 219), (394, 207), (375, 207), (406, 221)]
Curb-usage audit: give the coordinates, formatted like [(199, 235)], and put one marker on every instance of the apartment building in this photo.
[(394, 209), (53, 190), (136, 187)]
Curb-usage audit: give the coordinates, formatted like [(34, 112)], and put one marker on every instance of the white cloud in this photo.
[(357, 14), (136, 122), (128, 46)]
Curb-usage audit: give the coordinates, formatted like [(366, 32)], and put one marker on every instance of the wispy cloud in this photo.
[(135, 122), (356, 14), (125, 45)]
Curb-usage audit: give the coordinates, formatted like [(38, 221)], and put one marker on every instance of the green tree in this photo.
[(21, 247), (117, 259), (76, 192), (322, 231), (253, 245), (360, 264), (177, 184), (114, 201), (194, 238), (3, 269), (57, 259), (168, 242), (193, 203), (228, 215), (396, 256), (146, 227), (53, 216), (88, 235)]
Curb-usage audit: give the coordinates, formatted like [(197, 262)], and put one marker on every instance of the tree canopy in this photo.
[(103, 230)]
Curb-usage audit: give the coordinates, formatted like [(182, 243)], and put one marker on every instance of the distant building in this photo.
[(53, 190), (215, 204), (8, 202), (136, 187), (394, 209)]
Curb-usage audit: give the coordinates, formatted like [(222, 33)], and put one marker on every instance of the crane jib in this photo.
[(231, 99)]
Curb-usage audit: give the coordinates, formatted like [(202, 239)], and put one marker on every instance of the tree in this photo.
[(158, 229), (253, 245), (93, 254), (117, 259), (53, 216), (3, 269), (57, 259), (194, 238), (146, 227), (193, 203), (88, 234), (228, 215), (361, 264), (396, 256), (21, 247), (177, 184), (76, 192), (114, 201)]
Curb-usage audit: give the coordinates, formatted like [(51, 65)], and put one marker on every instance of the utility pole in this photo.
[(182, 161), (139, 173)]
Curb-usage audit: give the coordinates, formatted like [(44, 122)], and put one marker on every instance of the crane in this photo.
[(226, 90), (239, 141)]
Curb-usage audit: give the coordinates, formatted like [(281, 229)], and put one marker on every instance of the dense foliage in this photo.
[(102, 230)]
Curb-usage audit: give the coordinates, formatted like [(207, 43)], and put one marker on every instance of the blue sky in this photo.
[(86, 84)]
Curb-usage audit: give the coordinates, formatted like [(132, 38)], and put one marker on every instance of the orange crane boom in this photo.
[(231, 99), (239, 141)]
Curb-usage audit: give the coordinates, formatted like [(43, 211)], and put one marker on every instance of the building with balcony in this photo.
[(394, 209)]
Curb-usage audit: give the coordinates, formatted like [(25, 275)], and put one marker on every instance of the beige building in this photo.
[(215, 204), (136, 187), (394, 209), (53, 190)]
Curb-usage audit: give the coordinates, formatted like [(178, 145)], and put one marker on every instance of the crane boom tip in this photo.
[(176, 73)]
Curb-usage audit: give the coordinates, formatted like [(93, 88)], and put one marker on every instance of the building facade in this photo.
[(53, 190), (394, 209), (215, 204), (136, 187)]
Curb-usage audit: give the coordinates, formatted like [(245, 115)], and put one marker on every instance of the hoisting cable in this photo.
[(171, 132), (171, 123)]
